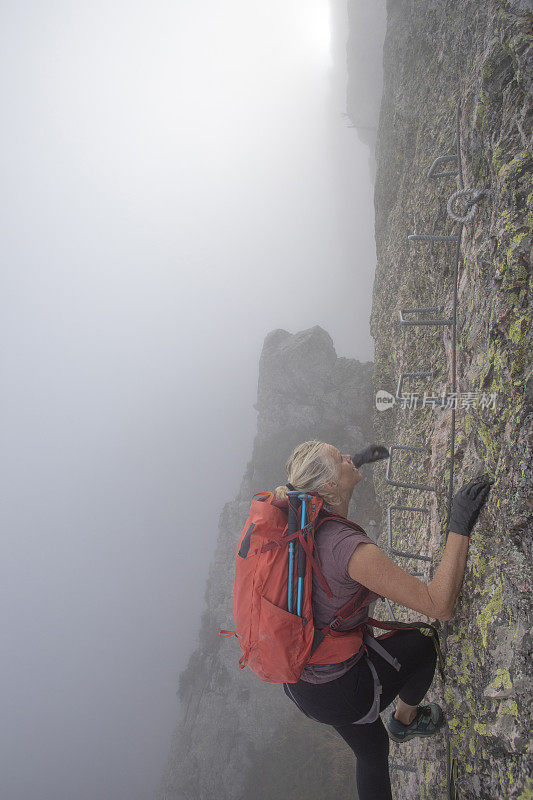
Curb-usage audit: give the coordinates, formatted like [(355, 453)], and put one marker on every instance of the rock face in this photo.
[(238, 737), (439, 56)]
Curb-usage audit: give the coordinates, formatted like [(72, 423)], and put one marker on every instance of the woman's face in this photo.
[(347, 475)]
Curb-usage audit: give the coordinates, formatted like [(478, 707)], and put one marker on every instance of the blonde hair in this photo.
[(308, 468)]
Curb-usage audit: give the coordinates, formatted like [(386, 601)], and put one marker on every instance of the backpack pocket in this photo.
[(283, 643)]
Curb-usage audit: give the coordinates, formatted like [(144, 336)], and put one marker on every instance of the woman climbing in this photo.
[(342, 694)]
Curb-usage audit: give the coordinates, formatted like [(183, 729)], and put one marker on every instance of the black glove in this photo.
[(374, 452), (467, 503)]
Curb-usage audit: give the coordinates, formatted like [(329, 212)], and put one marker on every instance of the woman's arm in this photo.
[(371, 567)]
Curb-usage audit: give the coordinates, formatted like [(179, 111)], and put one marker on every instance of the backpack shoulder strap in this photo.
[(344, 521)]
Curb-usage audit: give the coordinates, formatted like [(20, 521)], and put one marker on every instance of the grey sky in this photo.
[(171, 174)]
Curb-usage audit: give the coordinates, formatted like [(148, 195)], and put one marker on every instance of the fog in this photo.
[(178, 179)]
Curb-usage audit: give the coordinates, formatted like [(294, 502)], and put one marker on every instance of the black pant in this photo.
[(341, 702)]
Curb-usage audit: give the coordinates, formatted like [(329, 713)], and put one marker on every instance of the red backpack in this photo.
[(276, 643)]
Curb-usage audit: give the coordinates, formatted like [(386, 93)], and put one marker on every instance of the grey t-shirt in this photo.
[(335, 544)]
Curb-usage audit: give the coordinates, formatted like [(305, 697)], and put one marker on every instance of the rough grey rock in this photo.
[(439, 54)]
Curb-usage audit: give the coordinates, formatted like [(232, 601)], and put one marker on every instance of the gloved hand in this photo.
[(467, 503), (374, 452)]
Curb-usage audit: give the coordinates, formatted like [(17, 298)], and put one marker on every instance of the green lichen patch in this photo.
[(486, 616), (514, 176), (502, 679), (509, 707)]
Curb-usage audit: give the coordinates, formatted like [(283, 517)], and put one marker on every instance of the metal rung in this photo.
[(410, 375), (442, 160), (426, 237), (419, 310), (421, 486), (414, 556)]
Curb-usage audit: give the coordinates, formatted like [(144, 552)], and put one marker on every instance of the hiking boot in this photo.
[(428, 720)]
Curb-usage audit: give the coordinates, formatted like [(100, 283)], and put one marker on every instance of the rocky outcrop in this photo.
[(440, 56), (238, 737)]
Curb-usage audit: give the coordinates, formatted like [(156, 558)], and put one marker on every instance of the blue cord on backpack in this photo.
[(292, 526), (301, 558)]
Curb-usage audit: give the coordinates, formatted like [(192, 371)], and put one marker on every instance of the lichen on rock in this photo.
[(485, 69)]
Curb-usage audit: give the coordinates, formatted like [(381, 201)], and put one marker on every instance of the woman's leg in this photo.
[(416, 653), (350, 697), (404, 712), (370, 744)]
